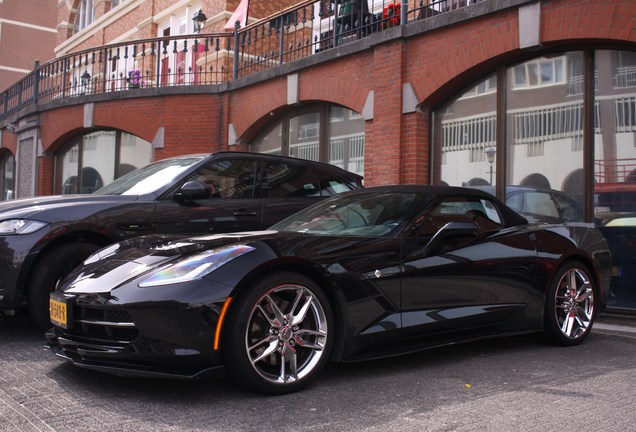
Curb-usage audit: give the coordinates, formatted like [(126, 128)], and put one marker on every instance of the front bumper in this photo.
[(105, 359), (169, 341)]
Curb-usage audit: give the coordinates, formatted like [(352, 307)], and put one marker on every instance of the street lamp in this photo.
[(199, 20), (490, 157), (85, 79)]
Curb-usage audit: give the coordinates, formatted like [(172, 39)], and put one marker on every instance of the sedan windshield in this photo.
[(150, 178), (369, 214)]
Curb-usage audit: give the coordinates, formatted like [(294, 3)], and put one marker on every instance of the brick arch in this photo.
[(445, 66), (61, 141), (250, 111), (342, 91), (73, 7), (5, 151), (441, 63)]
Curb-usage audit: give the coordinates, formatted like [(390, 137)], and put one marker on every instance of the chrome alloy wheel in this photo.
[(574, 303), (286, 334)]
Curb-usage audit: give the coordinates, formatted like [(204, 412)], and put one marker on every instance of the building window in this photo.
[(331, 134), (548, 123), (93, 160), (85, 15), (544, 143), (625, 114), (625, 75), (539, 72), (468, 126), (7, 176), (483, 87), (544, 125)]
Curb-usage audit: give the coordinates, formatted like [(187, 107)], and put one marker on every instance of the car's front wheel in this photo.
[(49, 271), (279, 334), (570, 306)]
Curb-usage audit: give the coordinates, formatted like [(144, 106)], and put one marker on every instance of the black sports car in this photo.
[(361, 275)]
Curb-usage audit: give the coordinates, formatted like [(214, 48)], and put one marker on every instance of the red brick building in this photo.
[(540, 93)]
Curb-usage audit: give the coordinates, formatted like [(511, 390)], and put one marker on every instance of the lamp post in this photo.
[(490, 157), (85, 80), (199, 20)]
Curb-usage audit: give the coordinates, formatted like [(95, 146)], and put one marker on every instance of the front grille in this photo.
[(105, 315), (103, 325)]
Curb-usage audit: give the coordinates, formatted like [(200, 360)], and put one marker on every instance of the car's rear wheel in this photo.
[(47, 275), (279, 334), (570, 306)]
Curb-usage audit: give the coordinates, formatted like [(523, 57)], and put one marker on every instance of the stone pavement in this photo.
[(512, 384)]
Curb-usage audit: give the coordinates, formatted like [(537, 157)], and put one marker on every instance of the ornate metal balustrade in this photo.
[(301, 31)]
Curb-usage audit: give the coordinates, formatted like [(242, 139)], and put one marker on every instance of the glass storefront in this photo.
[(615, 167), (535, 144), (96, 159), (331, 134)]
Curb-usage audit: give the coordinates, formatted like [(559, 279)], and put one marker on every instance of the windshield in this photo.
[(371, 214), (150, 178)]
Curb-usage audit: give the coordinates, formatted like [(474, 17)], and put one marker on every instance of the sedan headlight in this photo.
[(20, 226), (197, 266)]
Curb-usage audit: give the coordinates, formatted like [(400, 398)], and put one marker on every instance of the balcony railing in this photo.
[(301, 31), (625, 77), (617, 170)]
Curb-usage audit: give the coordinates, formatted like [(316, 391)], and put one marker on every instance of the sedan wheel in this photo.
[(284, 324), (571, 308)]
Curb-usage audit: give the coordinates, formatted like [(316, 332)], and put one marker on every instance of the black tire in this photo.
[(48, 273), (570, 305), (280, 321)]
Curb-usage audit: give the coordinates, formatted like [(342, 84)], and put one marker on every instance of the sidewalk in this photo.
[(615, 323)]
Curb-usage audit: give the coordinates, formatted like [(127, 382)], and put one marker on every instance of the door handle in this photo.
[(132, 226), (244, 213)]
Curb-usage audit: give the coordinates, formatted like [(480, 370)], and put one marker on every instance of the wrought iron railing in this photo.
[(303, 30)]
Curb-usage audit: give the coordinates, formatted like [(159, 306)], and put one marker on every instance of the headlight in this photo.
[(20, 226), (197, 266)]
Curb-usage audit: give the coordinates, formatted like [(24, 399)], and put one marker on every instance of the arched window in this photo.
[(93, 160), (85, 15), (7, 175), (325, 133), (538, 143)]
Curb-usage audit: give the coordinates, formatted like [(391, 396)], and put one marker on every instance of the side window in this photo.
[(478, 210), (571, 208), (515, 201), (287, 180), (331, 184), (539, 203), (229, 178)]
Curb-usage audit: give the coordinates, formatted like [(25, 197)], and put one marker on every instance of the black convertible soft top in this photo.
[(510, 217)]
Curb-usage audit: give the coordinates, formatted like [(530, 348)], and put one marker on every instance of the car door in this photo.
[(468, 280), (234, 202)]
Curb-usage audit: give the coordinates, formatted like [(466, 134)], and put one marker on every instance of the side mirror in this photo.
[(193, 190), (449, 231)]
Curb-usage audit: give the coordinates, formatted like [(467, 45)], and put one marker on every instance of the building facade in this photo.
[(27, 34), (504, 94)]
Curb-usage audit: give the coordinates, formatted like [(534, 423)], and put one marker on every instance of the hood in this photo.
[(119, 263), (47, 208)]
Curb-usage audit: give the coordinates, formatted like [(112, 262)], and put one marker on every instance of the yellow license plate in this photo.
[(58, 312)]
